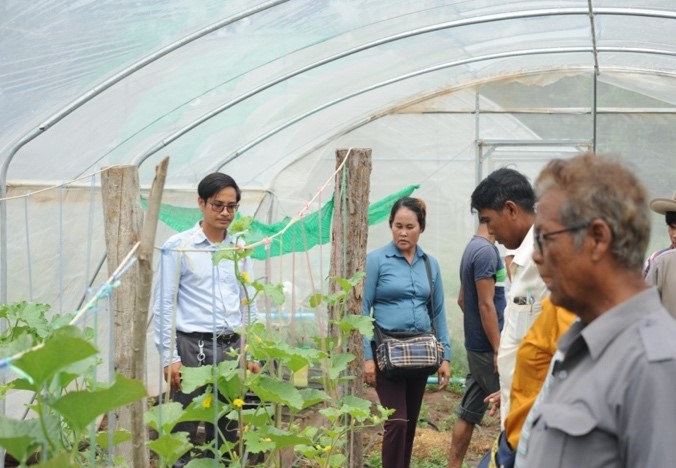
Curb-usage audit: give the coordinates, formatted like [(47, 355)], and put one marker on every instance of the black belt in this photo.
[(227, 337)]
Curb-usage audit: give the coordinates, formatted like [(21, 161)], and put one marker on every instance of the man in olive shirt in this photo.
[(608, 400)]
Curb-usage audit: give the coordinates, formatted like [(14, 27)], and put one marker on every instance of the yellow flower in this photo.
[(327, 448), (267, 439), (237, 402), (207, 400), (244, 301), (246, 279)]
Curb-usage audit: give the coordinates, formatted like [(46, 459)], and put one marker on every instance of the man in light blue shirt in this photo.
[(198, 306)]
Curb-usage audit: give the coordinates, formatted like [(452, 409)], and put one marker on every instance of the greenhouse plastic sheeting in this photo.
[(273, 62), (442, 92), (267, 91)]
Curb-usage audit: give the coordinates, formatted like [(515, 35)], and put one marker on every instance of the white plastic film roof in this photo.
[(443, 92), (219, 84)]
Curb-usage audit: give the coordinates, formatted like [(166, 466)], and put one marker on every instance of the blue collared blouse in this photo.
[(398, 293)]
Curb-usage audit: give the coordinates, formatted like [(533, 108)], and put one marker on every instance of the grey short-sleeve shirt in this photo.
[(612, 403), (662, 274)]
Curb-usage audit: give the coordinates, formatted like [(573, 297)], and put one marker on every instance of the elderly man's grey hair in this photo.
[(598, 187)]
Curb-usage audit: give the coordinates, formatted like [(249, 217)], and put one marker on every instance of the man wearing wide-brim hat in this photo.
[(661, 266), (666, 207)]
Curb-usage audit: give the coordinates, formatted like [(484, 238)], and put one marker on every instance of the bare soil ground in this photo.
[(433, 436)]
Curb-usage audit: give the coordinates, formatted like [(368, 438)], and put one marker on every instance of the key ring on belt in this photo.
[(200, 355), (531, 301)]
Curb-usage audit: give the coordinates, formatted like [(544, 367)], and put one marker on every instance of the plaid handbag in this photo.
[(402, 355)]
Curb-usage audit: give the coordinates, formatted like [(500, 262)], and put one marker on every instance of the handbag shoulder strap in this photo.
[(430, 304)]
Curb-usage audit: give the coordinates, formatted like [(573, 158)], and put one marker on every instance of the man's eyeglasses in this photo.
[(219, 207), (539, 236)]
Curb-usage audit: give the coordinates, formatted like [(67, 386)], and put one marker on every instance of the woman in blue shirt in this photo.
[(397, 289)]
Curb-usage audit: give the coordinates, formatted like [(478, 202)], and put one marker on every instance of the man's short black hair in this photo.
[(214, 183), (502, 185), (670, 217)]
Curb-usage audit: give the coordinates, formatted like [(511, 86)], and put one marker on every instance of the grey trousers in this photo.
[(188, 349)]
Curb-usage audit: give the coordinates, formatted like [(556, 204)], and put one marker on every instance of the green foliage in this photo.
[(81, 408), (262, 431), (25, 326), (20, 438), (42, 363), (458, 371), (119, 436), (62, 460), (275, 391), (373, 460), (435, 459), (53, 360), (170, 446), (274, 291), (163, 418), (24, 318), (456, 388), (261, 427)]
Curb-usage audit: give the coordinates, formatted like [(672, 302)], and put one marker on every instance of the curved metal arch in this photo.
[(592, 35), (113, 80), (545, 51), (371, 117), (83, 99), (243, 149), (140, 159)]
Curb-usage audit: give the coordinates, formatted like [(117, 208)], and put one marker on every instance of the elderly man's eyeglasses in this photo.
[(540, 237), (219, 207)]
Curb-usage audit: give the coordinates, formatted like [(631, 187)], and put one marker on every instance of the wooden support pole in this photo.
[(349, 235), (143, 294), (123, 218), (124, 227)]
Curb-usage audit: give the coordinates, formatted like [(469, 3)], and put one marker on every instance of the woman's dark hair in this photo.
[(416, 205), (214, 183)]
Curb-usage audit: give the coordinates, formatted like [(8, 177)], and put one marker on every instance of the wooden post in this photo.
[(123, 218), (124, 227), (349, 235), (143, 293)]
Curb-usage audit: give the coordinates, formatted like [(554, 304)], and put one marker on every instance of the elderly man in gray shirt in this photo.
[(608, 401)]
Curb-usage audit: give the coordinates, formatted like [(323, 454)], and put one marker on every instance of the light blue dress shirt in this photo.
[(398, 294), (204, 297)]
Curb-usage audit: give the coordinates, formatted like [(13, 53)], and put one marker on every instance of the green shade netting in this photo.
[(312, 229)]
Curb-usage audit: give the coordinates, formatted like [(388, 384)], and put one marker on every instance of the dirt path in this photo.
[(433, 436)]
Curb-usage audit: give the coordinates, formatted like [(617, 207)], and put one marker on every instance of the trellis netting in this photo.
[(312, 229)]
